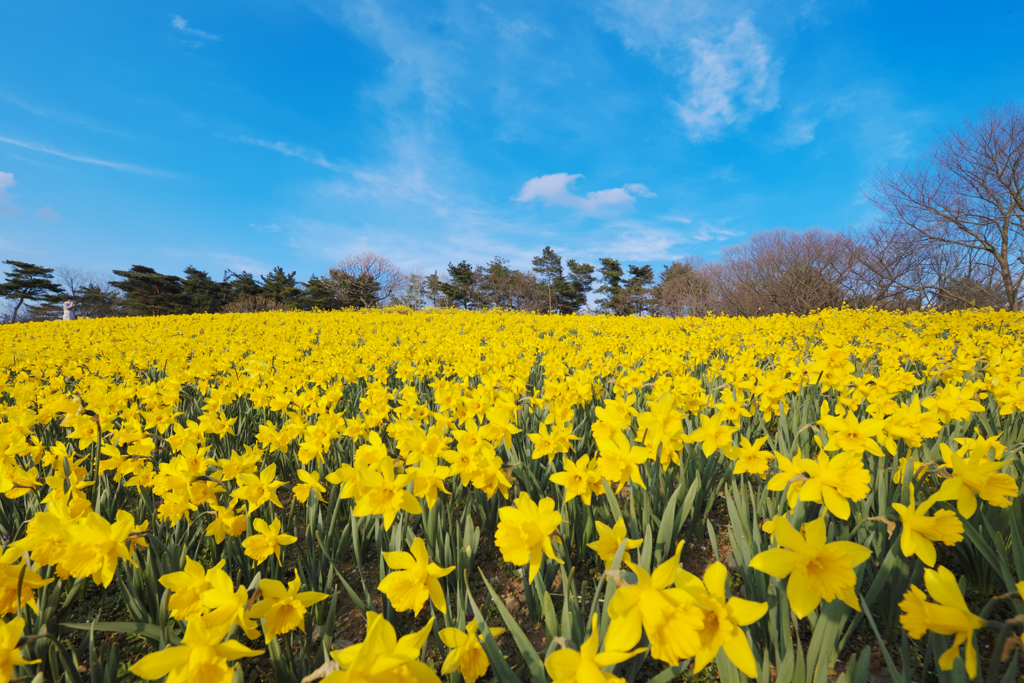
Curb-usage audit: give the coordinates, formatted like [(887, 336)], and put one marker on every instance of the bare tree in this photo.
[(686, 288), (365, 280), (955, 217), (412, 291), (782, 271)]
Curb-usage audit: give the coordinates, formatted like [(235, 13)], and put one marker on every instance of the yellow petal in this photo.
[(777, 562)]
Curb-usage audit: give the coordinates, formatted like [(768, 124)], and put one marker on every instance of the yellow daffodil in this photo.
[(94, 546), (835, 481), (749, 457), (382, 657), (975, 476), (712, 434), (920, 531), (817, 570), (414, 580), (283, 609), (310, 484), (569, 666), (668, 616), (849, 434), (620, 462), (948, 616), (225, 523), (609, 539), (267, 541), (580, 479), (11, 575), (202, 656), (524, 532), (723, 619), (10, 651), (384, 494), (187, 588), (467, 654), (256, 491)]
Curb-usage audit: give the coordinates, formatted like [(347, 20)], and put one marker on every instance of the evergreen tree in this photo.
[(573, 289), (281, 286), (638, 290), (461, 290), (435, 295), (203, 294), (548, 267), (95, 301), (29, 282), (611, 287), (147, 292), (243, 285), (317, 294)]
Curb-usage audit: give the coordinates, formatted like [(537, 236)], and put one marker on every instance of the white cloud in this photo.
[(731, 80), (724, 64), (554, 189), (7, 205), (272, 227), (128, 168), (48, 214), (182, 25), (290, 150)]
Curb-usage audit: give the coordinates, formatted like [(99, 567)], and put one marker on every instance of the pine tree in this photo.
[(461, 289), (611, 277), (548, 267), (317, 294), (29, 282), (203, 294), (574, 288), (281, 286), (147, 292)]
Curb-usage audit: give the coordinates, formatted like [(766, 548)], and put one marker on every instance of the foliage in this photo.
[(28, 282)]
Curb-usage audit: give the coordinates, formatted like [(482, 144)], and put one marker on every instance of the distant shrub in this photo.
[(253, 304)]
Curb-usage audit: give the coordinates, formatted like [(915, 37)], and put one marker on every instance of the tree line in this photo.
[(948, 234)]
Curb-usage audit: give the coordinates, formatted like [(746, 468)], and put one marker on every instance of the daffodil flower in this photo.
[(919, 530), (201, 656), (283, 609), (817, 570), (467, 655), (947, 616), (415, 579), (524, 532), (569, 666), (723, 619), (609, 539)]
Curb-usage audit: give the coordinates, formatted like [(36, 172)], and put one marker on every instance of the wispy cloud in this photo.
[(233, 262), (724, 64), (290, 150), (7, 205), (49, 215), (52, 114), (416, 64), (128, 168), (554, 189), (182, 25), (270, 227), (647, 241)]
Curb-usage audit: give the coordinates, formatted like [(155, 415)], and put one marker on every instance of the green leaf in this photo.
[(151, 631), (533, 661), (667, 530), (503, 672)]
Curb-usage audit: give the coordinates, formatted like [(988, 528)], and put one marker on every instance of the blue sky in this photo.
[(245, 135)]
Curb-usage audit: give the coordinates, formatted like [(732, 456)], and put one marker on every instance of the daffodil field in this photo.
[(512, 497)]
